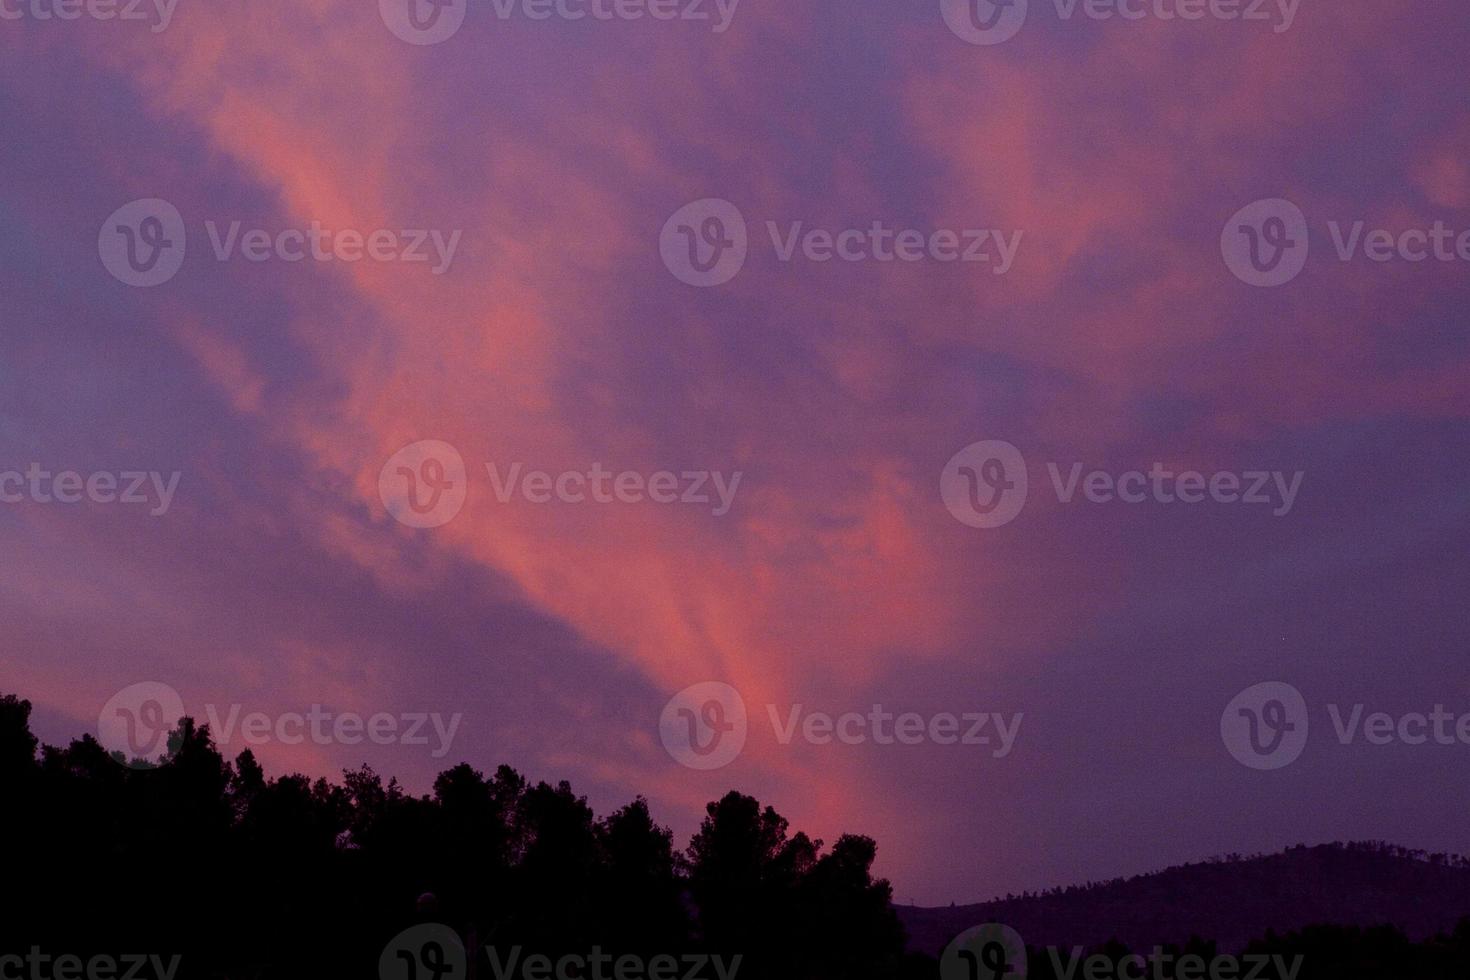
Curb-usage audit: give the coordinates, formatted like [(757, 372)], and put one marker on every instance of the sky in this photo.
[(1216, 244)]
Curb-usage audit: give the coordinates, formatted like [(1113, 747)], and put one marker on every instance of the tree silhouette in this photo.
[(250, 877)]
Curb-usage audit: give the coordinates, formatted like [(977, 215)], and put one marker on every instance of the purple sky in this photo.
[(559, 337)]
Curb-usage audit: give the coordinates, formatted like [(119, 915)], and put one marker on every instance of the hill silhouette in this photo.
[(202, 867), (1232, 900)]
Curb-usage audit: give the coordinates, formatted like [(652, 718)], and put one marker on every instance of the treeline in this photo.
[(1372, 848), (246, 877), (253, 877)]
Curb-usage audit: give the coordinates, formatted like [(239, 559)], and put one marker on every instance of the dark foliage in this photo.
[(247, 877), (251, 877)]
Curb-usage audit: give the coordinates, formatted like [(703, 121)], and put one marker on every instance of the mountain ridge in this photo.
[(1230, 899)]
